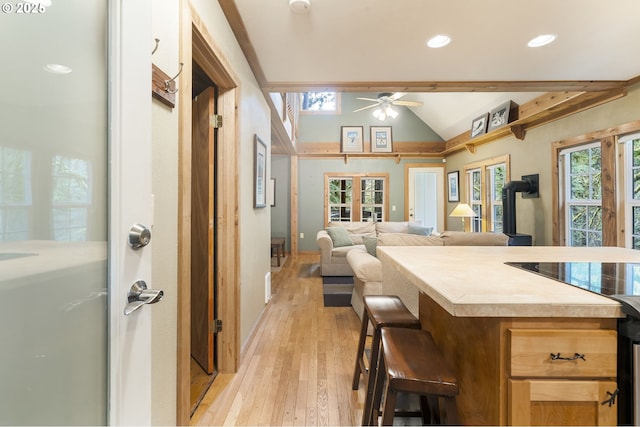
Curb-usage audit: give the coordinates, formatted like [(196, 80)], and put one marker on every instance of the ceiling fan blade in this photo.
[(366, 108), (397, 95), (369, 99), (408, 103)]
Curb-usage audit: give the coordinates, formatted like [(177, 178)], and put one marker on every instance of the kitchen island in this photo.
[(501, 326)]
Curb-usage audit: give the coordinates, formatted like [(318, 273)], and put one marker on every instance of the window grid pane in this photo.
[(372, 199), (340, 199), (584, 206)]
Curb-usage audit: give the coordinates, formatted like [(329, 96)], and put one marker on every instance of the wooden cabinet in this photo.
[(562, 377)]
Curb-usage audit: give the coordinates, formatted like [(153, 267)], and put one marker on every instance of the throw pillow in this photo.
[(370, 244), (339, 236), (419, 230)]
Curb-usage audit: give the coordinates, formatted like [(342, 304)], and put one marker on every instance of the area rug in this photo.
[(337, 290)]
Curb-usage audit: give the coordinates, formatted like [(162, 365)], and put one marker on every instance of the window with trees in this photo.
[(320, 102), (484, 183), (583, 195), (356, 197)]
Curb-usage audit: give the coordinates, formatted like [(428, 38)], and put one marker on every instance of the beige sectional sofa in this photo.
[(333, 260), (367, 268)]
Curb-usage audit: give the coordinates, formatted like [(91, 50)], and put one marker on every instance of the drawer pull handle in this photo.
[(612, 398), (574, 357)]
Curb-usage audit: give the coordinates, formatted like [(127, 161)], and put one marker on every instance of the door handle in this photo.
[(139, 295)]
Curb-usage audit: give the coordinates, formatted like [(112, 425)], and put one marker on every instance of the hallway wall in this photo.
[(254, 224)]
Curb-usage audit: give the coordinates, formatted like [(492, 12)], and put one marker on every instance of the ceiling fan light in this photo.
[(439, 40), (377, 112), (391, 112), (541, 40)]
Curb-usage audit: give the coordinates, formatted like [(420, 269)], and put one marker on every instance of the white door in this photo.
[(426, 197), (74, 176)]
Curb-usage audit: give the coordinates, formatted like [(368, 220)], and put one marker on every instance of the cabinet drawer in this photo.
[(563, 353)]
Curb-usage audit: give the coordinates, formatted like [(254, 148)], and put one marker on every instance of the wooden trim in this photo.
[(227, 218), (557, 206), (611, 234), (483, 165), (294, 205), (447, 86), (356, 193), (332, 149), (196, 44), (608, 177), (183, 402), (408, 166)]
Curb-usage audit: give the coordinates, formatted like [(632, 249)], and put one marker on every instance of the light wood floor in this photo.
[(298, 366)]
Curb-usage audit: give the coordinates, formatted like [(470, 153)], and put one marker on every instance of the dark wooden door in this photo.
[(202, 230)]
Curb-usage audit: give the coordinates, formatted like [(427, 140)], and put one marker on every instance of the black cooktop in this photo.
[(617, 280)]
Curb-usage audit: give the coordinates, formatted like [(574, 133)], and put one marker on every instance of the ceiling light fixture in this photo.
[(440, 40), (381, 113), (300, 6), (541, 40), (57, 69)]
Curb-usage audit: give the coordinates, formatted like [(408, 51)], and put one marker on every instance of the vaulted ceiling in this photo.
[(380, 45)]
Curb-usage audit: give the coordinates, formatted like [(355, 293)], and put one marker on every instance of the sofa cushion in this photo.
[(370, 244), (339, 236), (340, 254), (462, 238), (419, 230), (356, 229), (404, 239), (391, 227)]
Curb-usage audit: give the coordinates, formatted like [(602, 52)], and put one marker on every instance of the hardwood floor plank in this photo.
[(296, 368)]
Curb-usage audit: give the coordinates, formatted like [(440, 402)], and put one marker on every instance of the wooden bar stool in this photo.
[(381, 311), (412, 363)]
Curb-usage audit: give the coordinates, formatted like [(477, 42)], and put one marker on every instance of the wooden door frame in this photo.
[(196, 44)]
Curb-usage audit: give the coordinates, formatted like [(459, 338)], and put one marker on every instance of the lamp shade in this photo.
[(462, 210)]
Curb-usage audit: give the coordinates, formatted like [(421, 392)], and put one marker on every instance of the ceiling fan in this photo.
[(384, 102)]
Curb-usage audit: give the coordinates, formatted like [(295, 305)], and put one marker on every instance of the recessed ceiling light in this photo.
[(541, 40), (57, 69), (300, 6), (440, 40)]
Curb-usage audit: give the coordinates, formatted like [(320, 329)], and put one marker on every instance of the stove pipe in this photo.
[(509, 203)]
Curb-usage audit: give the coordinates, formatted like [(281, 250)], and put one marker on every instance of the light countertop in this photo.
[(473, 281)]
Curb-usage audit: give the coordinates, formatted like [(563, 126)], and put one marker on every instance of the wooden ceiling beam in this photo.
[(445, 86)]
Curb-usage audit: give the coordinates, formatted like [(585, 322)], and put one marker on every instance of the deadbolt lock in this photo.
[(139, 236)]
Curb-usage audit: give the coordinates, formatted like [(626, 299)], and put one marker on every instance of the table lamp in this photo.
[(463, 211)]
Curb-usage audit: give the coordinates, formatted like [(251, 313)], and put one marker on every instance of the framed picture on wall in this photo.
[(260, 174), (453, 186), (351, 139), (479, 125), (381, 139)]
